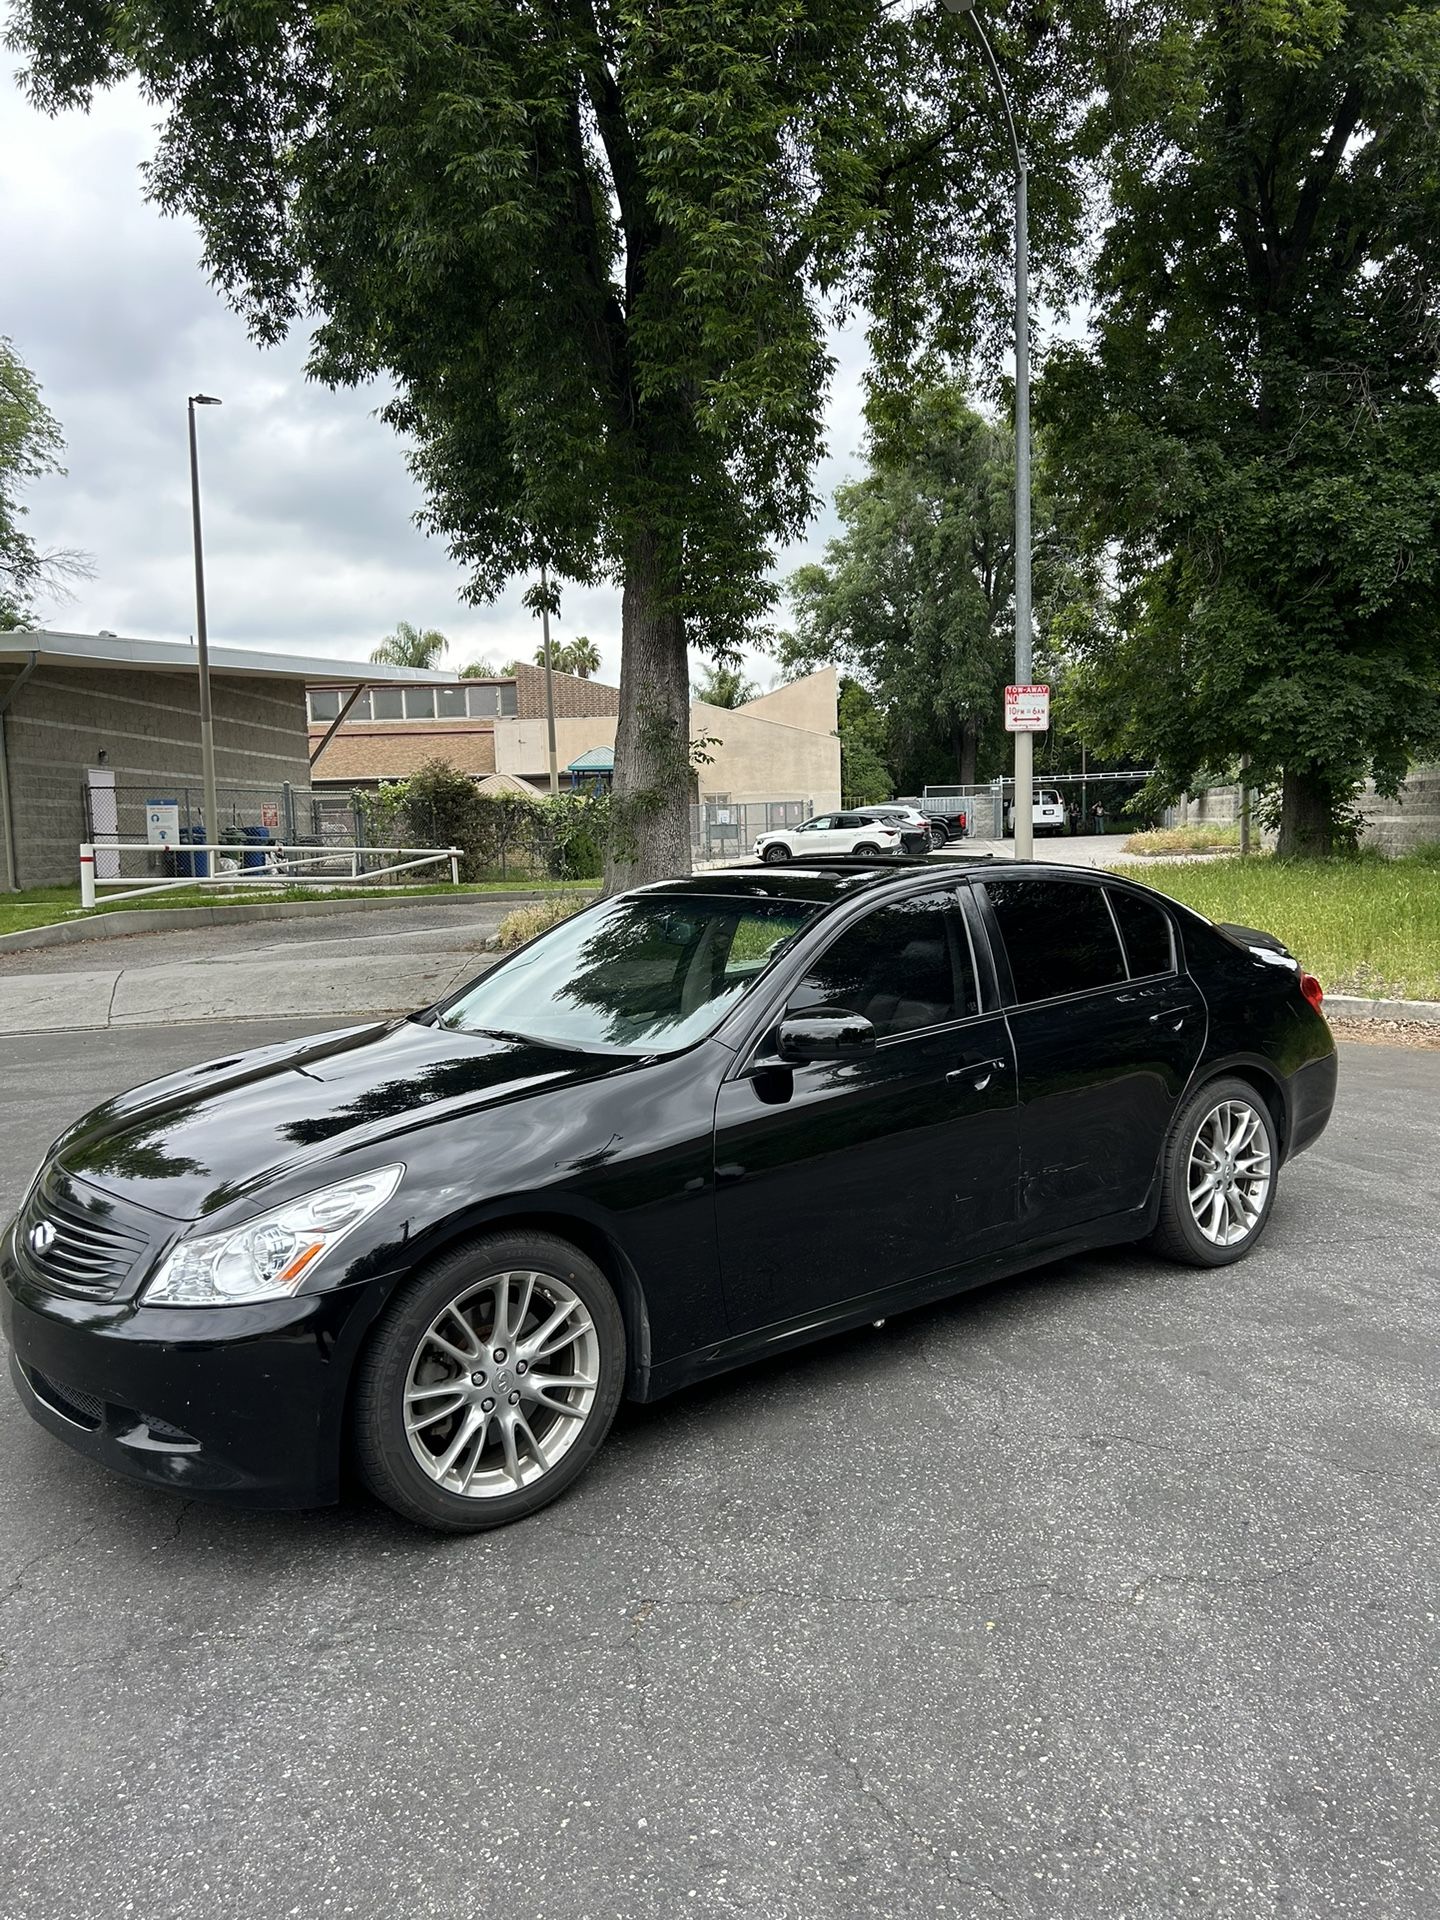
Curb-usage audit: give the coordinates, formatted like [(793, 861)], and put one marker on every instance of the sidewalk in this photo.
[(297, 969)]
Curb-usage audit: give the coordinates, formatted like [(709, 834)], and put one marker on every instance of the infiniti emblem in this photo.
[(42, 1238)]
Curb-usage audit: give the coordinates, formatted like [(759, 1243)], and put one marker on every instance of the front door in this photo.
[(834, 1180), (1106, 1037)]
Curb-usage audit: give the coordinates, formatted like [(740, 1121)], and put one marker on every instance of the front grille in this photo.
[(71, 1238)]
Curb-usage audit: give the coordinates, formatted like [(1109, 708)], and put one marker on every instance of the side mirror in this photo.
[(824, 1033)]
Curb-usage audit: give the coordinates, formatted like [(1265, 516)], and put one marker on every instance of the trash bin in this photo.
[(196, 865), (256, 840)]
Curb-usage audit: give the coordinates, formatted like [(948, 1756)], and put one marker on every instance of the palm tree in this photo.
[(724, 685), (584, 656), (480, 670), (408, 646)]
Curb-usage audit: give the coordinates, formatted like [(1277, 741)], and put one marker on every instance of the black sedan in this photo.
[(700, 1122)]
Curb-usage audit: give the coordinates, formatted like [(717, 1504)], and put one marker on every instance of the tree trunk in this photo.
[(1307, 815), (653, 771), (969, 736)]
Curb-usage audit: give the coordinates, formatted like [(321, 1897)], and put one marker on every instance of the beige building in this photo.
[(783, 746), (781, 750)]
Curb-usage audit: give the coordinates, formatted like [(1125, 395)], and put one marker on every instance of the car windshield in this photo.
[(645, 973)]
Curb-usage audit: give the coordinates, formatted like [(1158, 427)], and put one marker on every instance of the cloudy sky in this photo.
[(310, 542)]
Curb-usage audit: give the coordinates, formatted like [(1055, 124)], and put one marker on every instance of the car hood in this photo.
[(193, 1143)]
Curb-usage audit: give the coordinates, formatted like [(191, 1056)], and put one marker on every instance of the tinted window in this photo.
[(387, 703), (1058, 934), (904, 966), (641, 973), (484, 702), (508, 699), (1145, 930), (419, 703), (450, 703), (324, 706)]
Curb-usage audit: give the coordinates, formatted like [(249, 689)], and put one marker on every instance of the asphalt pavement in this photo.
[(1105, 1594), (385, 960)]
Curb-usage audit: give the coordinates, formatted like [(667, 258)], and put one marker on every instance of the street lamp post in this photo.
[(1024, 742), (202, 641), (549, 679)]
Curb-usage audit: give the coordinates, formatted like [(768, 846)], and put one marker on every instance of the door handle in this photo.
[(1172, 1017), (978, 1074)]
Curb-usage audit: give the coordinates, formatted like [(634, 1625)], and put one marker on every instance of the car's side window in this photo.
[(1145, 932), (904, 967), (815, 826), (1058, 935), (850, 820)]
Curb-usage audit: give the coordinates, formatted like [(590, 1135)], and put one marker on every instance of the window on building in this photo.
[(360, 710), (484, 704), (1058, 934), (387, 703), (324, 705), (419, 703), (904, 967), (450, 703), (508, 700)]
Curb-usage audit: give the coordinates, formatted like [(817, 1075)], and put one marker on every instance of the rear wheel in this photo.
[(867, 851), (775, 853), (1218, 1183), (489, 1383)]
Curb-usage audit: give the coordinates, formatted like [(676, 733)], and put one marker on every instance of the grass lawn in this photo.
[(1184, 839), (1366, 926), (39, 906)]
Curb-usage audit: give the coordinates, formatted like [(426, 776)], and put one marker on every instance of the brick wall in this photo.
[(574, 698), (148, 725)]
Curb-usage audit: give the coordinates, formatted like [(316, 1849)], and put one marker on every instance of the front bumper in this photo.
[(244, 1404)]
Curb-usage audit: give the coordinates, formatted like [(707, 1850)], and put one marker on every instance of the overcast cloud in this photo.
[(310, 541)]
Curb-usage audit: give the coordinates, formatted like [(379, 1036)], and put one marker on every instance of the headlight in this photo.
[(267, 1258)]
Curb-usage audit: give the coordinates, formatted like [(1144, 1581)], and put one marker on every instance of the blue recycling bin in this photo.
[(256, 840), (196, 865)]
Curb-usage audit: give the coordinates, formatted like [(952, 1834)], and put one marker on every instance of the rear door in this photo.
[(1104, 1048), (836, 1179), (818, 835)]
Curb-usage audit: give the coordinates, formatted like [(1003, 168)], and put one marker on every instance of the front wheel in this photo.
[(489, 1383), (1218, 1177), (775, 853)]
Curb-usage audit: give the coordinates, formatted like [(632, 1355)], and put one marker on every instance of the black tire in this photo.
[(1178, 1234), (382, 1450), (867, 850), (775, 853), (938, 838)]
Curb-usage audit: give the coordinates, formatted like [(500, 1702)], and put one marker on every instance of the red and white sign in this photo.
[(269, 814), (1027, 709)]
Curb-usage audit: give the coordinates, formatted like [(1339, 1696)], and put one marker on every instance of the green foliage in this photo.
[(482, 670), (1254, 434), (505, 833), (723, 684), (410, 646), (30, 447), (578, 656), (864, 776), (916, 596), (594, 249)]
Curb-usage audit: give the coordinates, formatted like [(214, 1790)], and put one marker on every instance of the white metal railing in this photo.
[(280, 863)]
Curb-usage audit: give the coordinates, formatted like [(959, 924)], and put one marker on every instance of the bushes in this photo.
[(504, 834), (525, 922)]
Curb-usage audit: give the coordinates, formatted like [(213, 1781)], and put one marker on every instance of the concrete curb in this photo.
[(1348, 1007), (113, 926)]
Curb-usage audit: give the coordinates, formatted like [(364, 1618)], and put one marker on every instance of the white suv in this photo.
[(1049, 812), (829, 833)]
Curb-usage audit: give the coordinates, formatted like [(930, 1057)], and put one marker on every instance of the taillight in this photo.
[(1312, 990)]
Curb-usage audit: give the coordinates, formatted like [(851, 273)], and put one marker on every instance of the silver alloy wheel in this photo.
[(1229, 1172), (501, 1384)]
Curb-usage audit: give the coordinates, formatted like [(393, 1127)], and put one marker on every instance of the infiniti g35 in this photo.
[(699, 1122)]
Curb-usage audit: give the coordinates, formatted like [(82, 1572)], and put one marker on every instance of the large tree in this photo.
[(916, 594), (30, 446), (594, 244), (1253, 430)]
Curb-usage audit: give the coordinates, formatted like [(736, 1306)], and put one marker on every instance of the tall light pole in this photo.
[(1024, 742), (202, 640), (549, 678)]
